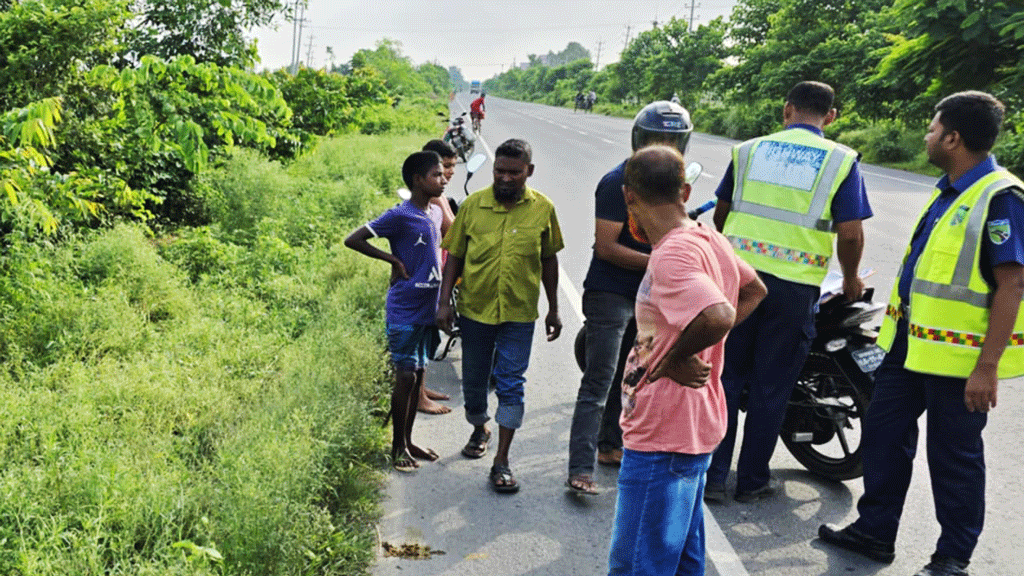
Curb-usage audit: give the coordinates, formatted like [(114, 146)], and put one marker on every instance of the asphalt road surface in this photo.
[(449, 507)]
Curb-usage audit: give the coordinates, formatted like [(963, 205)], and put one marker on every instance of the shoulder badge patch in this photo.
[(999, 231), (959, 215)]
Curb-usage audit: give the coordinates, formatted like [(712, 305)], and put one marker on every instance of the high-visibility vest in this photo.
[(948, 312), (780, 219)]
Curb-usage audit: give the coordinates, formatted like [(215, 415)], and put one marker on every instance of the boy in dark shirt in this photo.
[(412, 296)]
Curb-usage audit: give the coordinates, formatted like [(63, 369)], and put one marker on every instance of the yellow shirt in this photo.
[(502, 250)]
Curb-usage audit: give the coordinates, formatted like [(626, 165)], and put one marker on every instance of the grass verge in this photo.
[(206, 400)]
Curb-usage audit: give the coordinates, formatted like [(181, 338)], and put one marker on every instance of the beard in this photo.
[(637, 232), (505, 194)]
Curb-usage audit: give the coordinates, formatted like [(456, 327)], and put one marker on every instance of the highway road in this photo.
[(544, 530)]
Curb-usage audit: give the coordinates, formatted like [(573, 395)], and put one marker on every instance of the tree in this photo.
[(208, 30), (834, 41), (399, 75), (458, 81), (436, 77), (953, 45), (44, 45)]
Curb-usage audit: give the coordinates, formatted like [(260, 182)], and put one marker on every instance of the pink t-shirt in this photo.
[(690, 269)]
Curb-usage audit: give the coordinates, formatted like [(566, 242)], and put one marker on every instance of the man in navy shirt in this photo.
[(765, 353), (940, 360)]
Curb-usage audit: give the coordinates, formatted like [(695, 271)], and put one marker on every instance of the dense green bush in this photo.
[(208, 401), (885, 142), (1010, 147)]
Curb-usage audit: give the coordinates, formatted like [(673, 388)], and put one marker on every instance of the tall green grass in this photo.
[(207, 401)]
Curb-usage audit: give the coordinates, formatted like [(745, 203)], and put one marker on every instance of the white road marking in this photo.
[(870, 173)]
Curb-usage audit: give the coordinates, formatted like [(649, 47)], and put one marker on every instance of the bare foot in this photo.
[(423, 453), (434, 394), (428, 406)]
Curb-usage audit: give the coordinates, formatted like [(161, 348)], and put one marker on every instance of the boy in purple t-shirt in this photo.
[(412, 297)]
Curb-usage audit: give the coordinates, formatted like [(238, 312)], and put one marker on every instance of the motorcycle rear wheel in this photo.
[(831, 410)]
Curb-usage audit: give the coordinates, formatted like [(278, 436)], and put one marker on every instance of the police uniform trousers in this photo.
[(956, 459), (763, 356)]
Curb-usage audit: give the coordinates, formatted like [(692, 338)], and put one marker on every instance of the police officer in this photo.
[(609, 296), (952, 330), (782, 201)]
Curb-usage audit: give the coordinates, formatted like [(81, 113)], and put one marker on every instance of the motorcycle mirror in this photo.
[(693, 171), (474, 164), (404, 193)]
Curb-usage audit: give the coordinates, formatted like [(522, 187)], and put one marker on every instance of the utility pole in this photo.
[(626, 43), (295, 28), (597, 62), (309, 53), (301, 21), (693, 6)]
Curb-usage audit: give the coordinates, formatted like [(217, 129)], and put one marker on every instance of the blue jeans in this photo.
[(594, 423), (764, 356), (956, 453), (498, 350), (659, 521)]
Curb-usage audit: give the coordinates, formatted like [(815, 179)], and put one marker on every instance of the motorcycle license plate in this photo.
[(868, 358)]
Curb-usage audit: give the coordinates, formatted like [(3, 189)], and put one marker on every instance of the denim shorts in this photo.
[(411, 345)]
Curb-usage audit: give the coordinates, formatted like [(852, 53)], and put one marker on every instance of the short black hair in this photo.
[(419, 164), (515, 148), (810, 96), (975, 115), (443, 149), (656, 173)]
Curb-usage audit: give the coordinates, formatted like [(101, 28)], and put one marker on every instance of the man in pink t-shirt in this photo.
[(673, 407)]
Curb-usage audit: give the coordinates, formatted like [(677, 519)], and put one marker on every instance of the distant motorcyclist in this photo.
[(476, 111)]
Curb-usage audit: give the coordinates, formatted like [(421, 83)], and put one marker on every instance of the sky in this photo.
[(481, 37)]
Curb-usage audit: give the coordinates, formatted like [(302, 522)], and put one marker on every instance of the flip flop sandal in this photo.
[(405, 465), (502, 479), (588, 487), (477, 445)]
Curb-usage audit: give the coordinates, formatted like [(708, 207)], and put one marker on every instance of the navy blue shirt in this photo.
[(849, 203), (1004, 241), (603, 276)]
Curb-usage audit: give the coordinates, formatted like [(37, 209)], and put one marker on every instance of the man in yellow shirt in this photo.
[(503, 244)]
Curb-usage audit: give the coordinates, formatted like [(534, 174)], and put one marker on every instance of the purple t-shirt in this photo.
[(415, 240)]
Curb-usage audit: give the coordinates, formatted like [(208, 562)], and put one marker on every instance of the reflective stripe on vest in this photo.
[(780, 214), (947, 321)]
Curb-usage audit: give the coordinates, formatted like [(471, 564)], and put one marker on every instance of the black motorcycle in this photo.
[(824, 419), (822, 428)]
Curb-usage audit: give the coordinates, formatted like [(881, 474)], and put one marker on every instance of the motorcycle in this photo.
[(822, 429), (822, 424), (461, 138)]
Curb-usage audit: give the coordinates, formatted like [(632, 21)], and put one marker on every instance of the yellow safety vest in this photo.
[(780, 219), (949, 298)]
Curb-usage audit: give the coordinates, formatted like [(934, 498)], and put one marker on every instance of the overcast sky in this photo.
[(482, 37)]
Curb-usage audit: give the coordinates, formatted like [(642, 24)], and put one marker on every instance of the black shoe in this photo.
[(714, 493), (856, 541), (944, 566), (761, 493)]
